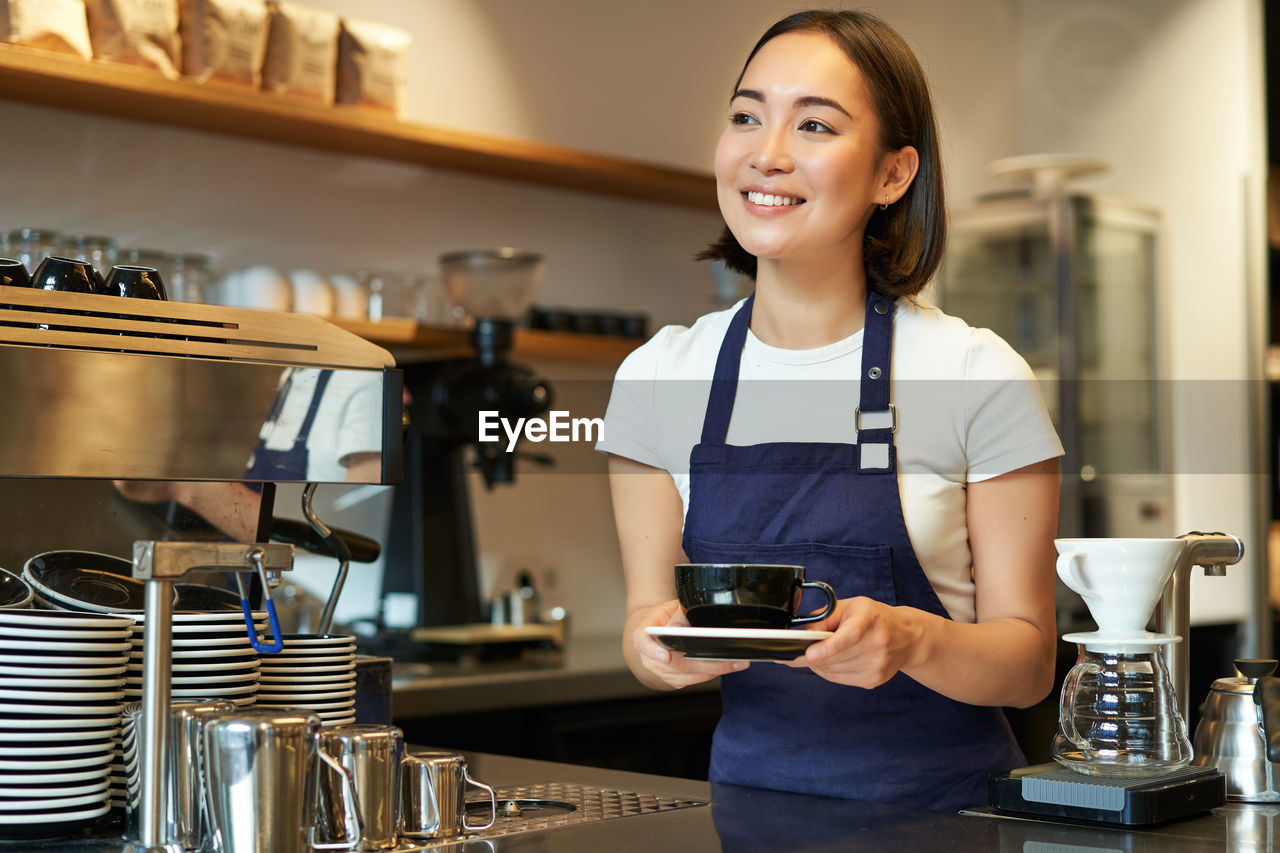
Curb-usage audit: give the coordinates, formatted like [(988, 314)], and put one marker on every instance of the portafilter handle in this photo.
[(1214, 552)]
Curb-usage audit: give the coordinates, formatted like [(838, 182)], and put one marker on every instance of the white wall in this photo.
[(649, 81), (1169, 91)]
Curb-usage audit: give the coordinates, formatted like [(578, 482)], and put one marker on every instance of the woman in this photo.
[(929, 504)]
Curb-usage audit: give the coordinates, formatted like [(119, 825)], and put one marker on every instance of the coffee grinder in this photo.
[(1121, 748), (431, 548)]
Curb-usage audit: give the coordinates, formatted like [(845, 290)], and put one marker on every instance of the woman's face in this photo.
[(799, 167)]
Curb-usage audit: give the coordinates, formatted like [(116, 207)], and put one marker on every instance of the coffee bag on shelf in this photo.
[(224, 40), (47, 24), (302, 52), (137, 32), (373, 64)]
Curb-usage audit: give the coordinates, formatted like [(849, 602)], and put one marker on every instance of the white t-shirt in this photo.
[(348, 419), (968, 409)]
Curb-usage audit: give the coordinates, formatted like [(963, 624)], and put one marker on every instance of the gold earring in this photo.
[(885, 204)]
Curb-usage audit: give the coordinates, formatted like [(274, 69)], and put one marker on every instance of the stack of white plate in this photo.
[(313, 671), (61, 691), (211, 659)]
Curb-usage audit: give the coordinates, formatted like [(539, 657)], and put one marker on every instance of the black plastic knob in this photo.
[(1255, 668)]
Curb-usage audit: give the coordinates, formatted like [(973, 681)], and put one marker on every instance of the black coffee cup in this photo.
[(13, 273), (746, 595), (135, 282), (66, 274)]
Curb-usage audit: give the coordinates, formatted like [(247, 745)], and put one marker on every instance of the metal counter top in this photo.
[(587, 669), (748, 820)]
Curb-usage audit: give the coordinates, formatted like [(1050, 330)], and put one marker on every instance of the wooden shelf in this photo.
[(58, 80), (410, 340)]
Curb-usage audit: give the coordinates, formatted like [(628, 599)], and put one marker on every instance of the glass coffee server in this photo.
[(1069, 280)]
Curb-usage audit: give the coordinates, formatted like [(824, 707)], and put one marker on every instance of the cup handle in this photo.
[(831, 603), (493, 803), (1069, 570), (1066, 719), (351, 815)]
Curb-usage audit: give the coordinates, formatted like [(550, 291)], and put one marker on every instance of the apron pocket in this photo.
[(852, 570)]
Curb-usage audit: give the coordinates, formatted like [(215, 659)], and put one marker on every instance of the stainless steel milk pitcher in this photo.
[(261, 772)]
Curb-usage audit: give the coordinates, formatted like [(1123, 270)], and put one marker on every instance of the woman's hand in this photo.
[(872, 642), (670, 668)]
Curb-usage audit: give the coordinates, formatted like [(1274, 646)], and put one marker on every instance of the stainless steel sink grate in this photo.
[(549, 805)]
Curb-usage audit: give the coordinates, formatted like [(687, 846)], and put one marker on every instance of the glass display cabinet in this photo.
[(1070, 281)]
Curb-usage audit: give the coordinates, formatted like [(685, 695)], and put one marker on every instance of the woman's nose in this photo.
[(773, 153)]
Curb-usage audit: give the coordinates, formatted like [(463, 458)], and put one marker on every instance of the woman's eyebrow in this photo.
[(802, 101)]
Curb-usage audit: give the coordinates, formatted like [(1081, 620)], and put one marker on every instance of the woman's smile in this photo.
[(768, 200)]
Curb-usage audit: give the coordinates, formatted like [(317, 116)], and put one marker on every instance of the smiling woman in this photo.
[(838, 423)]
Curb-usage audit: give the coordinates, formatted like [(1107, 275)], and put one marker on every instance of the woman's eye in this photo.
[(815, 126), (742, 118)]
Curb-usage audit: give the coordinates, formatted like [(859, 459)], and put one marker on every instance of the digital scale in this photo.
[(1051, 791)]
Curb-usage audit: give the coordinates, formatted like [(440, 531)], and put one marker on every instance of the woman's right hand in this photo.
[(672, 669)]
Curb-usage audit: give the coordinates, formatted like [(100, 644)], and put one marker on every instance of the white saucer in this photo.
[(12, 806), (93, 787), (47, 646), (761, 644), (57, 750), (45, 763), (1102, 641), (44, 737), (10, 779), (109, 682), (290, 662), (63, 619), (48, 716), (69, 818), (274, 673), (341, 721), (55, 664), (36, 672)]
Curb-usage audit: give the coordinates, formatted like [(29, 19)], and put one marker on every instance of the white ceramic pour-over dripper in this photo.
[(1120, 580)]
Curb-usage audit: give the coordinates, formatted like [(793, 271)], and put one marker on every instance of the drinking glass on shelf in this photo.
[(390, 293), (431, 302), (97, 250), (373, 286), (191, 277), (30, 245)]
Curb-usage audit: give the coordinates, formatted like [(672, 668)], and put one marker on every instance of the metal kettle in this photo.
[(1239, 731)]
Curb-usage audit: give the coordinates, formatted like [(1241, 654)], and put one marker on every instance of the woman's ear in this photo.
[(899, 169)]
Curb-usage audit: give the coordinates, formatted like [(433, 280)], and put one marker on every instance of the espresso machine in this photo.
[(431, 552), (118, 403)]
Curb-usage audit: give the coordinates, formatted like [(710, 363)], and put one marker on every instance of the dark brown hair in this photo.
[(903, 244)]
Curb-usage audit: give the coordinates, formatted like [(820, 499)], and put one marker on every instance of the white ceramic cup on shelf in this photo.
[(351, 298), (264, 288), (312, 294)]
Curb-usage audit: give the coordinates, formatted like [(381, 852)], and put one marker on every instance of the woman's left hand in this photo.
[(872, 643)]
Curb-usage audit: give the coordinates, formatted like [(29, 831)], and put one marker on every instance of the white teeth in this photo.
[(769, 200)]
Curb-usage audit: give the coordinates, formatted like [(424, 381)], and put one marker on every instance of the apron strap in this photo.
[(876, 419), (304, 433), (724, 382)]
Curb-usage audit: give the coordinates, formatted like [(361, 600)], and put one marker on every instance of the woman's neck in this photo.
[(805, 309)]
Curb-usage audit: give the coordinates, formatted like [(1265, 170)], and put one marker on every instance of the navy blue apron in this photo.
[(834, 509), (291, 464)]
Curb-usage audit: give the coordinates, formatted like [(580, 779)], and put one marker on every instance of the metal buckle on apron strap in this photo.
[(876, 419), (875, 431)]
